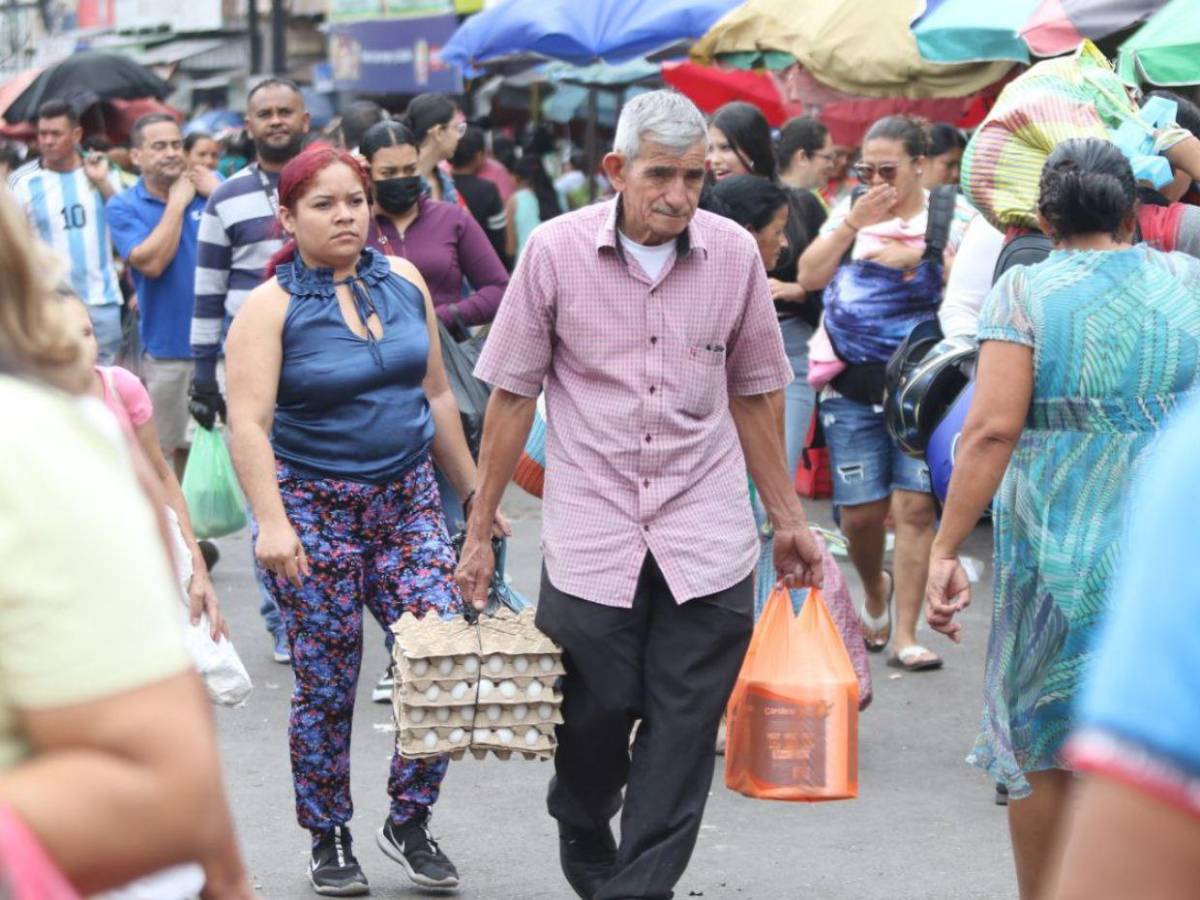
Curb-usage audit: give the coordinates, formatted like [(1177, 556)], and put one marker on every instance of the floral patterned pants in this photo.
[(383, 547)]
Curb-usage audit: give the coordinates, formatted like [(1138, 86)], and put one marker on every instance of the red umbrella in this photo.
[(710, 88), (15, 86), (119, 115)]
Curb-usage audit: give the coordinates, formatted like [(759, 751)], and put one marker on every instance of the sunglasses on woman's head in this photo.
[(866, 171)]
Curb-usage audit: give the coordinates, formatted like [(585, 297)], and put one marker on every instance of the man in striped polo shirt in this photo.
[(238, 236), (63, 194)]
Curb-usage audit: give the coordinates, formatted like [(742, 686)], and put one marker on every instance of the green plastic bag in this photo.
[(210, 487)]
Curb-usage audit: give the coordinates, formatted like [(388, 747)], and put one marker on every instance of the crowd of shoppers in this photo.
[(688, 311)]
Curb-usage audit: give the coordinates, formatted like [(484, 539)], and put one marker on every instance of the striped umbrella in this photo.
[(1166, 50), (956, 31)]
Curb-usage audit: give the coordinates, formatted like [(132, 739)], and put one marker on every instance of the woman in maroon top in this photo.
[(442, 240)]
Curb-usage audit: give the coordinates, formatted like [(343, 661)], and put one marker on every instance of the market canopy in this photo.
[(1166, 50), (958, 31), (864, 48), (519, 33)]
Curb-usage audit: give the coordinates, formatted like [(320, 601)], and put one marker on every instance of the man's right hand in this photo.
[(475, 567), (182, 191), (206, 404)]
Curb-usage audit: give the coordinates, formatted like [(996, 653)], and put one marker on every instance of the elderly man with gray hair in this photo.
[(650, 327)]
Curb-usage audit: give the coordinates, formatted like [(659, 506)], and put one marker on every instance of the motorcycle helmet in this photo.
[(943, 442), (922, 386)]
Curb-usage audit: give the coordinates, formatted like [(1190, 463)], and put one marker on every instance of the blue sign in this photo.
[(393, 56)]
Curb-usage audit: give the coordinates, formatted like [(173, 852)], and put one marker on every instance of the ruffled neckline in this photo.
[(300, 281)]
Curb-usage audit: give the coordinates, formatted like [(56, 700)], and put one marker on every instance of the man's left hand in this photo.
[(95, 167), (798, 558)]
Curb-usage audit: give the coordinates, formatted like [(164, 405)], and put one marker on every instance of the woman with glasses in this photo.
[(739, 140), (436, 124), (806, 156), (870, 259)]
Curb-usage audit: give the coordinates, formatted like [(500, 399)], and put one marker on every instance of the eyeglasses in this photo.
[(828, 157), (866, 171), (460, 128)]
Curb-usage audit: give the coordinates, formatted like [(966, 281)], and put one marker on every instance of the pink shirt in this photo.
[(641, 449), (125, 397), (493, 170)]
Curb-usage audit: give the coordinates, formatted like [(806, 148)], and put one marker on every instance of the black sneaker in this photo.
[(382, 692), (587, 858), (417, 852), (333, 869)]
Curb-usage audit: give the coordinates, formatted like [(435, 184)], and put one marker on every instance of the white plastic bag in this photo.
[(218, 663)]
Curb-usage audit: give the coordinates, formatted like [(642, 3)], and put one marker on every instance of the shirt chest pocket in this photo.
[(699, 373)]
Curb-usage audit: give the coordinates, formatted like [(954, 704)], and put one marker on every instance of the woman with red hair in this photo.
[(337, 403)]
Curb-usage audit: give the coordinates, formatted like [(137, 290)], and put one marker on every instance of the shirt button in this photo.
[(645, 482), (654, 340), (652, 389), (647, 439), (645, 528)]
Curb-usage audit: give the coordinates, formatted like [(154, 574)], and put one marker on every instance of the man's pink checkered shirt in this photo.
[(641, 449)]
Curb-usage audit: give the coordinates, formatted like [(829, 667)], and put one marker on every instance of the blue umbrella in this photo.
[(522, 32)]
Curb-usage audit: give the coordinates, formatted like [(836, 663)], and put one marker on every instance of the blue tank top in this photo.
[(348, 407)]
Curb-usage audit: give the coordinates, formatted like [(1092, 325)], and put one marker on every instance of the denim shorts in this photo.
[(867, 464)]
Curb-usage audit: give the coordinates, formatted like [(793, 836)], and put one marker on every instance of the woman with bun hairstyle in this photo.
[(946, 146), (1084, 358), (437, 124), (338, 408)]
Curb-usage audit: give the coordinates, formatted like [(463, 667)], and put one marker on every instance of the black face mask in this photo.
[(397, 195)]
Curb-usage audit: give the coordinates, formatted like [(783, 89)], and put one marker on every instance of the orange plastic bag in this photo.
[(793, 714)]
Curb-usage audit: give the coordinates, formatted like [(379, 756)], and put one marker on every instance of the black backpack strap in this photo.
[(1026, 249), (858, 191), (942, 201)]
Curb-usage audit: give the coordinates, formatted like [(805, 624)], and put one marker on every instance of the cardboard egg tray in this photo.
[(489, 687)]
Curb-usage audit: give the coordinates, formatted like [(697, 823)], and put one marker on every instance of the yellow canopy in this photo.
[(862, 47)]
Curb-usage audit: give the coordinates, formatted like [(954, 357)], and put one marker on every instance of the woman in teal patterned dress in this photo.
[(1083, 358)]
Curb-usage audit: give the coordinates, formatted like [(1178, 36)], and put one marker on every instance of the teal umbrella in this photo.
[(1166, 50), (951, 32)]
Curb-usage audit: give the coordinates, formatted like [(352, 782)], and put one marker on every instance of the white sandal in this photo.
[(909, 659), (874, 624)]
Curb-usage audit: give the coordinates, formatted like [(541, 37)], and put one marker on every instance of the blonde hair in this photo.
[(33, 332)]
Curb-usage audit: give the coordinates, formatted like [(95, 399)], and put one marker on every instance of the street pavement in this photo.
[(924, 826)]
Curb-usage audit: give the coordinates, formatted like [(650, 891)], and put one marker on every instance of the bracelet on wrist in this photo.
[(466, 503), (850, 225)]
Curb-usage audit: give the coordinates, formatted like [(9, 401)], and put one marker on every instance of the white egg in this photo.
[(493, 713), (495, 663), (416, 715), (521, 664), (479, 735), (531, 736), (471, 665), (459, 690), (432, 692), (446, 666), (486, 687), (508, 689), (442, 713), (534, 690), (545, 712), (430, 739), (420, 667), (467, 713), (520, 711), (504, 735), (546, 663), (456, 735)]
